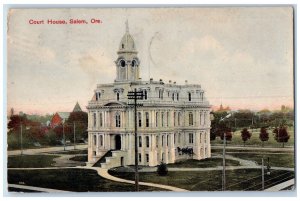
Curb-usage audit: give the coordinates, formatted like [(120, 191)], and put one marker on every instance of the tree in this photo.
[(246, 135), (263, 135), (281, 135), (228, 136), (162, 169), (81, 123)]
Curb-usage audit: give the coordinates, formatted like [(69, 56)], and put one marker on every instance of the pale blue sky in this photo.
[(242, 57)]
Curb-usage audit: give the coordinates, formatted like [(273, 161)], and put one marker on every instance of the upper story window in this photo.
[(95, 140), (174, 118), (140, 119), (118, 120), (118, 96), (95, 119), (167, 119), (162, 119), (122, 63), (156, 119), (177, 96), (147, 141), (101, 120), (191, 138), (140, 141), (173, 96), (101, 140), (157, 140), (122, 46), (190, 119), (98, 95), (147, 119), (160, 94), (133, 63), (179, 118), (190, 96), (145, 94)]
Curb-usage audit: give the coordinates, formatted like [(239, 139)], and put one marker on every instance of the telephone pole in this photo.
[(74, 137), (64, 136), (136, 95), (262, 174), (223, 175), (21, 140)]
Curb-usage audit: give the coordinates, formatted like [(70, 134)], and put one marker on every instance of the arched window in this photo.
[(95, 119), (168, 119), (118, 96), (147, 119), (147, 141), (101, 140), (118, 120), (133, 63), (95, 140), (101, 120), (156, 119), (140, 119), (190, 96), (122, 63), (190, 119), (140, 141)]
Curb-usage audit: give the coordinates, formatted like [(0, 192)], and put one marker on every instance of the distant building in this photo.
[(60, 117)]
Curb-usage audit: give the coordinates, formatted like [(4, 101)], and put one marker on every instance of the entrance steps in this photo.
[(112, 158)]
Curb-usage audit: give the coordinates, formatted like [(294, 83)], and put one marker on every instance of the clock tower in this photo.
[(127, 63)]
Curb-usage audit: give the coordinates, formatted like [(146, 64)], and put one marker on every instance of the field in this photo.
[(30, 161), (254, 140)]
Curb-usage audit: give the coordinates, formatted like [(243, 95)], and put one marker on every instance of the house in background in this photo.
[(60, 117)]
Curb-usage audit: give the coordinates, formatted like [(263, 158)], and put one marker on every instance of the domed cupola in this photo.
[(127, 62)]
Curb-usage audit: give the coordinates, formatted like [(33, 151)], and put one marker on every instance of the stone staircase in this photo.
[(111, 159)]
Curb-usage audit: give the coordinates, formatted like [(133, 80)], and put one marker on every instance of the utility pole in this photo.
[(223, 175), (21, 140), (136, 95), (262, 174), (64, 136), (74, 137)]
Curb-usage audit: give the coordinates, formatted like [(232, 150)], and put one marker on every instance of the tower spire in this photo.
[(127, 27)]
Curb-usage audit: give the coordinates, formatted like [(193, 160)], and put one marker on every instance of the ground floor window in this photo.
[(95, 140), (147, 158), (140, 141), (140, 157)]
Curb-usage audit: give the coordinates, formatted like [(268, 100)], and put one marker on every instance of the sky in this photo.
[(242, 57)]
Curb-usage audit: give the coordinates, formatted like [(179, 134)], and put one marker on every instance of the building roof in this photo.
[(127, 42), (64, 115), (77, 108)]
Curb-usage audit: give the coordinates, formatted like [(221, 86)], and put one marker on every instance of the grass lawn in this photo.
[(237, 180), (30, 161), (77, 180), (80, 158), (254, 140), (208, 162), (276, 160)]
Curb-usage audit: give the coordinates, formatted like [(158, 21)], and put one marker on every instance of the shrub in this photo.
[(162, 169)]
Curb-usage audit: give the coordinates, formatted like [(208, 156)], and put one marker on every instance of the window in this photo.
[(101, 140), (173, 96), (167, 119), (147, 158), (145, 94), (147, 119), (147, 141), (133, 63), (174, 119), (205, 137), (204, 118), (98, 95), (190, 119), (162, 119), (101, 120), (140, 157), (190, 96), (160, 94), (140, 119), (179, 115), (157, 141), (118, 120), (95, 140), (162, 140), (156, 119), (140, 141), (174, 138), (191, 138), (168, 140), (94, 119), (94, 153), (200, 138), (122, 62), (122, 46), (118, 96), (177, 96), (179, 136)]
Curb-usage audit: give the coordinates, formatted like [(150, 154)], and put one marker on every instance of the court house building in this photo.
[(173, 117)]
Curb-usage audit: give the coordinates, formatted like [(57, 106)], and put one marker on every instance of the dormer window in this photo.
[(98, 95)]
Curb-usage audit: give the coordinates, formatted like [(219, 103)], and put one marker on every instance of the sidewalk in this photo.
[(219, 146), (45, 150), (47, 190), (281, 186)]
